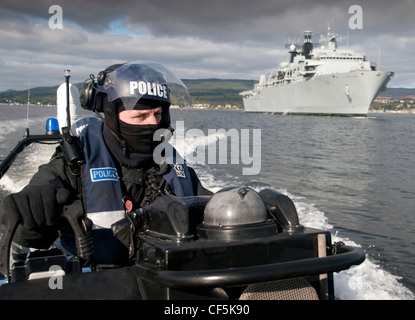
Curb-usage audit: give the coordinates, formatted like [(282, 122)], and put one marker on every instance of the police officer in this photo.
[(117, 173)]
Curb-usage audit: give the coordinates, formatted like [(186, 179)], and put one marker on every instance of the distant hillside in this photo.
[(42, 95), (398, 93), (207, 91), (8, 91), (217, 91), (211, 91)]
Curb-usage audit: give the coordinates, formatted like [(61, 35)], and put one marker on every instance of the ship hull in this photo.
[(342, 94)]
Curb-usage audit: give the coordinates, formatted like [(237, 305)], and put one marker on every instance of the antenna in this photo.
[(379, 59), (68, 115), (347, 39), (28, 98)]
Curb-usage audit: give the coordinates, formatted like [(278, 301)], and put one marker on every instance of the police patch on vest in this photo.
[(103, 174), (179, 171)]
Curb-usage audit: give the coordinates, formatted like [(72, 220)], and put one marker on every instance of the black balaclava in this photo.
[(136, 138), (139, 138)]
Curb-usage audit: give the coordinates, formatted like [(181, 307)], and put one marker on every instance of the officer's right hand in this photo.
[(35, 206)]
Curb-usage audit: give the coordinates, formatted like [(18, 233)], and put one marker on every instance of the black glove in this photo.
[(36, 205)]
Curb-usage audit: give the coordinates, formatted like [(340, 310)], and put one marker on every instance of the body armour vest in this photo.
[(102, 192)]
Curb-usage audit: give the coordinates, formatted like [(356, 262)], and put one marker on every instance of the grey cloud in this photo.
[(231, 20), (215, 38)]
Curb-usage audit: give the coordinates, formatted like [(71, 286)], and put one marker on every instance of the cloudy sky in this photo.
[(227, 39)]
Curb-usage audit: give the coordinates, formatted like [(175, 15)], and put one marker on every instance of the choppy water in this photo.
[(352, 176)]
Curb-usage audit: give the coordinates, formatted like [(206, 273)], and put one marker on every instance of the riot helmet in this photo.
[(136, 85)]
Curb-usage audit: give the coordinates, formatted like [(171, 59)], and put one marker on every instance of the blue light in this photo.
[(52, 126)]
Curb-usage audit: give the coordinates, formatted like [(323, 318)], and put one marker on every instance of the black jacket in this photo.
[(58, 174)]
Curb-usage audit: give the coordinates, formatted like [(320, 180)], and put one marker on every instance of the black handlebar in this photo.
[(345, 257), (81, 226)]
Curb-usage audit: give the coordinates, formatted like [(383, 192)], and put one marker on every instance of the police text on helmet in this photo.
[(149, 88)]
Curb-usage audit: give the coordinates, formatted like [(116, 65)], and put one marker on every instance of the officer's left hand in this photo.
[(35, 206)]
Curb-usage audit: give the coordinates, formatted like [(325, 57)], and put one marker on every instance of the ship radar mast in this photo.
[(305, 49), (308, 45), (329, 40)]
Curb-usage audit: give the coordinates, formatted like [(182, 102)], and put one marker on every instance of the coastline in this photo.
[(408, 111)]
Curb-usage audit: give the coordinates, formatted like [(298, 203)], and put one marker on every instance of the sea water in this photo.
[(350, 176)]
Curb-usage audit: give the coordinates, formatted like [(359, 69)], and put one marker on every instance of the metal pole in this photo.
[(68, 115)]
